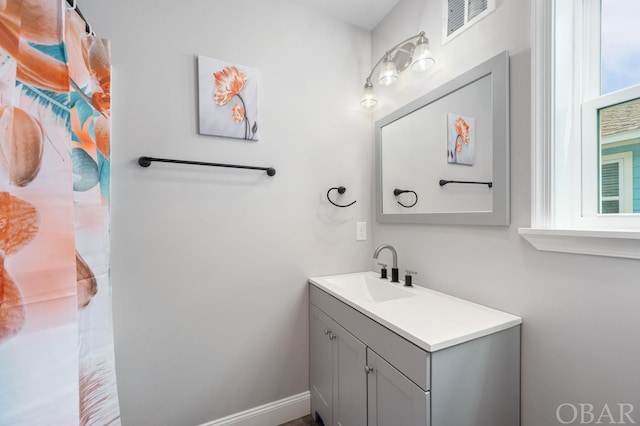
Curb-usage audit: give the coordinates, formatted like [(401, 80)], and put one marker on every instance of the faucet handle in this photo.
[(383, 271), (408, 277)]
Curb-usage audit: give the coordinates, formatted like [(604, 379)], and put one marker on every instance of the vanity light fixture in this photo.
[(388, 71), (413, 51)]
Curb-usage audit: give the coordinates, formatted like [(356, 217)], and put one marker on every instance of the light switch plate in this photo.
[(361, 231)]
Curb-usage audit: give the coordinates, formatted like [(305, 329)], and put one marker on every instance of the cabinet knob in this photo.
[(368, 369), (332, 336), (327, 332)]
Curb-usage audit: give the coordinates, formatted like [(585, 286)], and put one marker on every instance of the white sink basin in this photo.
[(427, 318), (371, 289)]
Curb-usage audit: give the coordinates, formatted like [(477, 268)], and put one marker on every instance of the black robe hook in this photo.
[(341, 190)]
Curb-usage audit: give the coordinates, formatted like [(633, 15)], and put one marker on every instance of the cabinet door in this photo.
[(349, 379), (320, 365), (393, 399)]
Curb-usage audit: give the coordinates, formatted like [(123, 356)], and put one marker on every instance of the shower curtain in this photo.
[(56, 339)]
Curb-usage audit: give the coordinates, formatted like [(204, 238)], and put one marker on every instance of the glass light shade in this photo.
[(422, 59), (369, 99), (388, 72)]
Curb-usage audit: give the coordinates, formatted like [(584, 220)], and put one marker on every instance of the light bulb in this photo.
[(388, 71), (368, 96), (422, 59)]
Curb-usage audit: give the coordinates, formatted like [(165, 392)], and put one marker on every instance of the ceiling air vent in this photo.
[(461, 14), (455, 15)]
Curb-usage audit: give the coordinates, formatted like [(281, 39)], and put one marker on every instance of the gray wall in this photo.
[(209, 266), (580, 339)]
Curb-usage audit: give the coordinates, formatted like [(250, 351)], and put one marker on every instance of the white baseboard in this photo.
[(272, 414)]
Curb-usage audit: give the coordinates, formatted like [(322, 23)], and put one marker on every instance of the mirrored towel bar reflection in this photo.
[(444, 182), (397, 192)]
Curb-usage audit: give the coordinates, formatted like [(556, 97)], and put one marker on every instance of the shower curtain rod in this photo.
[(74, 5)]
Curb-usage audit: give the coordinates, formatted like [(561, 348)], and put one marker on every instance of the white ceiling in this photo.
[(365, 14)]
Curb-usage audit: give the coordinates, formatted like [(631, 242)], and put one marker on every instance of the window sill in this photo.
[(625, 244)]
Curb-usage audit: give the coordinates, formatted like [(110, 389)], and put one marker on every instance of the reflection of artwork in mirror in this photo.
[(460, 139), (620, 158)]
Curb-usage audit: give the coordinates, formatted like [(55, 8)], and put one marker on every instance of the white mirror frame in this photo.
[(498, 69)]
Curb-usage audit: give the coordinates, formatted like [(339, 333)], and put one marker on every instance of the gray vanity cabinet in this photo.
[(363, 373), (337, 377), (351, 385)]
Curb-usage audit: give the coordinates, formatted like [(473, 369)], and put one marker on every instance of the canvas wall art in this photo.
[(460, 139), (228, 99)]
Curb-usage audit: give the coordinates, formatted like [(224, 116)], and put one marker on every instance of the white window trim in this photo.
[(544, 233)]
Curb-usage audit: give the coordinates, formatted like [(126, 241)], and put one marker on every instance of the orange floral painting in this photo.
[(228, 99), (460, 139)]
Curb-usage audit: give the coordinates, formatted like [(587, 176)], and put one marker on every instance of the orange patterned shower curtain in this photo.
[(56, 339)]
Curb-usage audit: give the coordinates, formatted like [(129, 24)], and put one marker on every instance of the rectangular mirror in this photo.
[(444, 158)]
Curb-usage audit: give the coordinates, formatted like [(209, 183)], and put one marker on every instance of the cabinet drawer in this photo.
[(408, 358)]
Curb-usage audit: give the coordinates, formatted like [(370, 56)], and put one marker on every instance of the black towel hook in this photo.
[(397, 192), (341, 190)]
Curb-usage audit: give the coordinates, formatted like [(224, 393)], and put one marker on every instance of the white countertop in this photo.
[(429, 319)]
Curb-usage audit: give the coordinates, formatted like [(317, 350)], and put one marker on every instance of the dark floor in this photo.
[(303, 421)]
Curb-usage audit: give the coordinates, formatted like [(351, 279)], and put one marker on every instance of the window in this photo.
[(586, 127), (610, 188), (616, 183), (619, 67), (611, 126)]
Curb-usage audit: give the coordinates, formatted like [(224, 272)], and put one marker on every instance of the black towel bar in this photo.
[(146, 162)]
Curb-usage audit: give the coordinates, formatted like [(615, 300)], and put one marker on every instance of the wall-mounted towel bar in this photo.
[(146, 162), (444, 182), (341, 190)]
